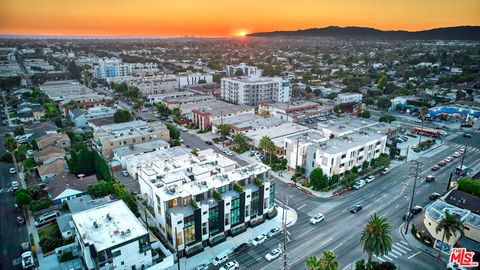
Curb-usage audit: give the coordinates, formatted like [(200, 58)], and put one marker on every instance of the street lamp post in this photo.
[(413, 194)]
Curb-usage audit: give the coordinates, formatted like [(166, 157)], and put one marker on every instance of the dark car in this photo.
[(20, 220), (18, 209), (442, 163), (209, 142), (435, 168), (466, 135), (242, 248), (417, 209), (356, 208), (430, 178), (434, 196)]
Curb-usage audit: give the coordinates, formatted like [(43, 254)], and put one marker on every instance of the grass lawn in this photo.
[(51, 231)]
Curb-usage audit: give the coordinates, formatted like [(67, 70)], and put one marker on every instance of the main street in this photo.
[(387, 196)]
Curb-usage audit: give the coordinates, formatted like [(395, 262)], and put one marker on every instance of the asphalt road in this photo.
[(11, 234), (388, 196)]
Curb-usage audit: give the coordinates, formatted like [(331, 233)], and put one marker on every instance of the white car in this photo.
[(457, 154), (272, 255), (27, 260), (181, 140), (15, 185), (317, 218), (184, 129), (370, 179), (359, 184), (274, 231), (124, 173), (232, 265), (386, 170), (13, 171), (30, 153), (229, 153), (220, 259), (259, 239)]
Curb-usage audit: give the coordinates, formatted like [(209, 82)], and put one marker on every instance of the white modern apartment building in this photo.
[(111, 237), (246, 70), (251, 90), (201, 199), (192, 79), (154, 85), (296, 147), (349, 98), (114, 68), (337, 155), (81, 117)]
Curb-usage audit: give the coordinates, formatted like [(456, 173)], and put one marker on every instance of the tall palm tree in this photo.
[(11, 147), (376, 237), (312, 263), (241, 140), (450, 225)]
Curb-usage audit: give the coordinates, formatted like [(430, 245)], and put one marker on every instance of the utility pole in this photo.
[(449, 182), (463, 157), (285, 232), (296, 159), (411, 198)]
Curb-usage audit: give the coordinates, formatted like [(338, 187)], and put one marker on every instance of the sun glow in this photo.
[(241, 33)]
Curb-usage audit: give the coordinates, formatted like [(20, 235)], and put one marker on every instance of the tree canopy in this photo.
[(122, 116), (317, 179), (376, 237)]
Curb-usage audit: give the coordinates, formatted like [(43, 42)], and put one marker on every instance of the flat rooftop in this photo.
[(276, 132), (252, 80), (108, 225), (294, 105), (216, 108), (127, 129), (186, 99), (346, 124), (437, 209), (344, 143), (308, 136), (140, 148)]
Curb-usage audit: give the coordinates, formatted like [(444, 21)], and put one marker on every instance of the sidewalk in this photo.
[(411, 240), (231, 243)]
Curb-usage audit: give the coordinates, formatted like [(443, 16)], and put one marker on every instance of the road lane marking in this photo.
[(396, 206), (390, 259), (306, 232), (414, 255), (337, 247), (379, 258), (397, 248), (404, 246), (390, 254), (396, 252), (301, 206)]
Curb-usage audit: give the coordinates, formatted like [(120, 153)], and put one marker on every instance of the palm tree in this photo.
[(267, 145), (327, 262), (11, 146), (312, 263), (241, 140), (376, 237), (450, 225)]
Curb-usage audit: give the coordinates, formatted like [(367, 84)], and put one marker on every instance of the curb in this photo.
[(419, 249)]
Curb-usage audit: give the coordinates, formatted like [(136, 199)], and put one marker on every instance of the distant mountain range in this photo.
[(447, 33)]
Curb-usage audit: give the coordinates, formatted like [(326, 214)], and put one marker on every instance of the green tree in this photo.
[(368, 101), (100, 189), (312, 263), (22, 197), (424, 112), (366, 114), (376, 237), (239, 72), (163, 110), (11, 146), (450, 225), (122, 116), (317, 179), (267, 145), (241, 140), (177, 112), (224, 131), (174, 132), (382, 82), (328, 261), (387, 118), (384, 103)]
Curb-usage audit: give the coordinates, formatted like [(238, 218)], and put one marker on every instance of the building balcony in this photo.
[(144, 248)]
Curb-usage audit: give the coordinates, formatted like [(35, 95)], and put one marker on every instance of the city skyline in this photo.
[(213, 18)]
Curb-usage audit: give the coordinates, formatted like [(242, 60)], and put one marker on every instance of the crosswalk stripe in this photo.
[(399, 249), (390, 254), (379, 258), (404, 242), (396, 252), (390, 259), (404, 247)]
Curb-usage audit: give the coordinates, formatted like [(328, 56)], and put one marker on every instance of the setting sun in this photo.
[(241, 33)]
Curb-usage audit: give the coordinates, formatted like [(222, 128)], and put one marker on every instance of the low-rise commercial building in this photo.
[(66, 91), (154, 85), (81, 117), (345, 125), (251, 90), (111, 237), (349, 98), (179, 102), (211, 113), (156, 98), (108, 137), (201, 199), (294, 111), (187, 79)]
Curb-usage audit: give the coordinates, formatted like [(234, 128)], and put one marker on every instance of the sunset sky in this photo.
[(226, 17)]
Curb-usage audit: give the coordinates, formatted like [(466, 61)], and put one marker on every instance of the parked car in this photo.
[(20, 220), (274, 231), (50, 217), (241, 248), (184, 129), (317, 218), (231, 265), (209, 142), (124, 173), (259, 239), (448, 159), (201, 267), (466, 135), (370, 179), (25, 246), (27, 260), (15, 186), (18, 209), (272, 255), (434, 196), (13, 171), (435, 167), (417, 209), (221, 258), (442, 163), (356, 208), (386, 170), (430, 178), (457, 154), (455, 266), (359, 184)]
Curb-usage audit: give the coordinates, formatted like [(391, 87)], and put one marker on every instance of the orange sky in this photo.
[(226, 17)]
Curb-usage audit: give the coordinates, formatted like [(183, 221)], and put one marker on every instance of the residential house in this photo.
[(60, 140), (48, 171), (65, 186)]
